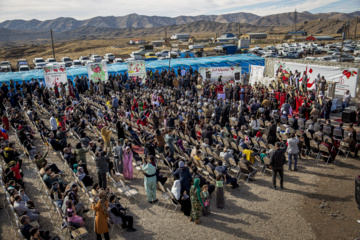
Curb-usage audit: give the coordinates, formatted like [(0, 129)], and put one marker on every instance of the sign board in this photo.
[(97, 71), (256, 74), (137, 69), (54, 75), (345, 78), (227, 74)]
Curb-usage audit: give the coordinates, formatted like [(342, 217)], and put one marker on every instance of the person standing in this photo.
[(127, 160), (196, 201), (277, 161), (53, 124), (102, 215), (304, 82), (150, 179), (220, 200), (118, 156), (346, 99), (106, 134), (293, 151), (102, 167)]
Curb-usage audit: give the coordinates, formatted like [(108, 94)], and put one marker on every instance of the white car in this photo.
[(24, 68), (327, 59), (39, 62), (5, 66), (38, 67), (95, 58), (136, 55), (109, 56), (105, 61), (76, 63), (118, 60), (311, 58), (130, 59), (84, 60), (51, 61), (357, 60), (67, 61), (163, 53)]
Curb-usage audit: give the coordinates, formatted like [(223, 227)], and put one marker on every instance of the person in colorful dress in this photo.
[(196, 201)]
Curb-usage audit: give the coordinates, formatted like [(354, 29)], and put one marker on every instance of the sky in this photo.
[(85, 9)]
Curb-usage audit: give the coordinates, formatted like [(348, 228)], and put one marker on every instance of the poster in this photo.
[(54, 75), (345, 78), (228, 74), (137, 69), (256, 74), (97, 71)]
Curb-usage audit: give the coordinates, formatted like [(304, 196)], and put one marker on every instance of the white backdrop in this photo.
[(256, 74), (226, 73), (98, 71), (54, 75), (346, 78)]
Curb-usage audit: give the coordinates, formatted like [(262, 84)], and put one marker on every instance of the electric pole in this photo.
[(295, 21), (52, 43), (357, 20), (344, 35), (239, 30)]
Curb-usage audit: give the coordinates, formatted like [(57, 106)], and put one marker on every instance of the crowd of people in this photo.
[(174, 127)]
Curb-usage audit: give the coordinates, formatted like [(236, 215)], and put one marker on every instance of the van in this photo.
[(357, 50)]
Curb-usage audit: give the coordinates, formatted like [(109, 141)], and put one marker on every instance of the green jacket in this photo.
[(81, 154)]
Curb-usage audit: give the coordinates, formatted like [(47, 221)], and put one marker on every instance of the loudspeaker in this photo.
[(237, 76), (348, 116), (357, 190)]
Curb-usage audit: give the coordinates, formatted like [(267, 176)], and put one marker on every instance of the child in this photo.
[(220, 201), (206, 199)]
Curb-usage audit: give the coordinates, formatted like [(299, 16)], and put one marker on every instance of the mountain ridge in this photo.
[(63, 24)]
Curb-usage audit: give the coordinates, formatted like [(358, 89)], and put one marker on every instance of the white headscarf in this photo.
[(175, 190)]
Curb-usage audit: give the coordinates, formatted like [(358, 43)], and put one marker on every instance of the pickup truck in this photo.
[(67, 61), (39, 62), (21, 62), (5, 66), (110, 57)]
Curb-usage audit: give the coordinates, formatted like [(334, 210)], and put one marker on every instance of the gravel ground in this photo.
[(253, 211)]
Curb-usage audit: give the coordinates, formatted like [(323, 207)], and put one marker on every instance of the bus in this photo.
[(183, 36)]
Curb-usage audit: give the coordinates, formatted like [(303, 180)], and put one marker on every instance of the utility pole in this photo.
[(295, 21), (345, 31), (165, 33), (52, 43), (239, 30), (357, 20)]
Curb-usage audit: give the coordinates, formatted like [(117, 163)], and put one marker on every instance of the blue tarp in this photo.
[(243, 60)]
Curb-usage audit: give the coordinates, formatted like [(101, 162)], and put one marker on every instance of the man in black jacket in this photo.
[(272, 133), (118, 211), (277, 161)]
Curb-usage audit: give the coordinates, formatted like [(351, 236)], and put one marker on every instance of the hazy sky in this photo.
[(84, 9)]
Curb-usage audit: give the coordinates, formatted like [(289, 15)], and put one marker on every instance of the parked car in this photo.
[(163, 53), (130, 59), (84, 60), (311, 58), (118, 60), (24, 68), (136, 55), (95, 58), (357, 59), (39, 62), (110, 57), (5, 66), (105, 61), (344, 57), (38, 67), (150, 55), (51, 61), (76, 63), (21, 62), (67, 61), (332, 50), (269, 55), (327, 59)]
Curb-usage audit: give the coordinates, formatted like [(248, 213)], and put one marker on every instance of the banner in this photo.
[(137, 69), (54, 75), (97, 71), (345, 78), (256, 74), (227, 74)]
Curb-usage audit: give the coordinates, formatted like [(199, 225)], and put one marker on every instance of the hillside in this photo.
[(141, 21)]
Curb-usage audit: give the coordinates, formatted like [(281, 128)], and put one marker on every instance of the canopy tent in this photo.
[(243, 60)]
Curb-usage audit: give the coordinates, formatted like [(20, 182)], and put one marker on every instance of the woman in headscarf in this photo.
[(196, 201), (150, 179), (128, 167), (86, 179), (182, 198), (100, 208)]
